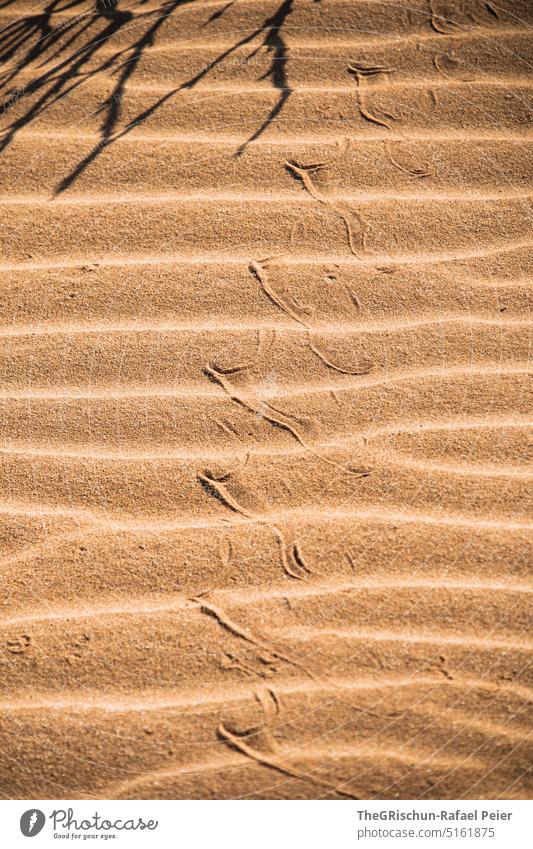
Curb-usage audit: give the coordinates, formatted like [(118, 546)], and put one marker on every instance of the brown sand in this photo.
[(265, 504)]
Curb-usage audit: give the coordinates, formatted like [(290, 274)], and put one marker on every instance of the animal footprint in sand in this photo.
[(362, 74), (303, 173), (19, 645)]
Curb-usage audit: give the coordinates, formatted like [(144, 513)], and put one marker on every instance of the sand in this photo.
[(265, 490)]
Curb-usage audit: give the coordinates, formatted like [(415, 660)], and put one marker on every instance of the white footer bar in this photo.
[(268, 824)]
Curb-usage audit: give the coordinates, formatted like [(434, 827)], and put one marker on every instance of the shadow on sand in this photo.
[(75, 47)]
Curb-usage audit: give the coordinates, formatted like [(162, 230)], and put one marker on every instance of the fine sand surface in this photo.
[(265, 341)]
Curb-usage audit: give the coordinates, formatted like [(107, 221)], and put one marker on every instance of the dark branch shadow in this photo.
[(87, 34), (77, 40), (271, 30)]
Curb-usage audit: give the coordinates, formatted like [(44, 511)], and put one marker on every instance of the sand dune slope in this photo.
[(265, 446)]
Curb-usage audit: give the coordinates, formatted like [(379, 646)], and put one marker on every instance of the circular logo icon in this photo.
[(32, 822)]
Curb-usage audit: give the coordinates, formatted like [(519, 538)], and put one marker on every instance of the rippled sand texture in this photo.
[(265, 489)]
